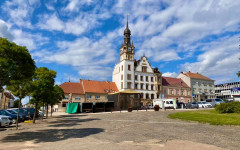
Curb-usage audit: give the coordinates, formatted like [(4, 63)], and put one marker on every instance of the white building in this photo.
[(201, 87), (227, 91), (136, 75)]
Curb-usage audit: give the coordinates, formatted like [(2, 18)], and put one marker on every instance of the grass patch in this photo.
[(208, 116)]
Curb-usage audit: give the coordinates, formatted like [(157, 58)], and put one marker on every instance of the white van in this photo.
[(163, 103)]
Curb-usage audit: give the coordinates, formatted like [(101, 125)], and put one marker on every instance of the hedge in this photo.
[(232, 107)]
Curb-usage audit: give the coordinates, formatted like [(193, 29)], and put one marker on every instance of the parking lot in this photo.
[(135, 130)]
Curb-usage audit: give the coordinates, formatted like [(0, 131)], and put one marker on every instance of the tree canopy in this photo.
[(16, 62)]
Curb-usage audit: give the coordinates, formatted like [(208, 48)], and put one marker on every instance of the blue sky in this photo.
[(81, 38)]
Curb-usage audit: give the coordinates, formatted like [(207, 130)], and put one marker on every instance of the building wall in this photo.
[(117, 75), (103, 97), (185, 97)]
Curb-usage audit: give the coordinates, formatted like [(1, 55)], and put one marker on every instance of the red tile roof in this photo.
[(99, 86), (177, 82), (196, 75), (70, 87)]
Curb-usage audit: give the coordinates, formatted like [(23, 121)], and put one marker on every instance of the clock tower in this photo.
[(127, 48)]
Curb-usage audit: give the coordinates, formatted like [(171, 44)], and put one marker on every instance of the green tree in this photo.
[(16, 68), (57, 96), (16, 102), (43, 85), (16, 62)]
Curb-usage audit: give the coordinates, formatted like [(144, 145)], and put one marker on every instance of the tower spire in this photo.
[(127, 22), (127, 34)]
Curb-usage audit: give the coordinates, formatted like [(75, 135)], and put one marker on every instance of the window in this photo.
[(205, 91), (129, 67), (66, 97), (64, 104), (122, 77), (146, 86), (78, 98), (152, 96), (177, 92), (97, 97), (136, 86), (182, 92), (89, 96), (141, 86), (141, 78), (122, 67), (129, 84), (136, 77), (171, 91), (147, 96), (129, 76), (146, 78), (165, 91), (121, 85), (159, 87), (152, 87), (144, 69), (151, 79)]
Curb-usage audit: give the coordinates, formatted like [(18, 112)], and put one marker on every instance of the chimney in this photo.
[(181, 72)]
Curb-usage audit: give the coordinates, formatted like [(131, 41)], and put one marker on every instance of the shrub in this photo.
[(232, 107)]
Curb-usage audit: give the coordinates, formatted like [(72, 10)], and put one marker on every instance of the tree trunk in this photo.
[(19, 103), (51, 110), (35, 112), (5, 98), (43, 110), (47, 111)]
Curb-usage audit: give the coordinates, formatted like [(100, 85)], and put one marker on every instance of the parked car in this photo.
[(204, 104), (4, 121), (192, 105), (179, 105), (29, 112), (214, 102), (12, 115), (21, 112)]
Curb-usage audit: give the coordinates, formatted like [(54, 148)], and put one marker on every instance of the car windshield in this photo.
[(218, 100), (11, 111), (194, 103), (208, 100), (204, 102), (171, 102)]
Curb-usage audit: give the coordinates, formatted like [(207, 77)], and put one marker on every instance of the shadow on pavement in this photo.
[(69, 116), (69, 122), (52, 135)]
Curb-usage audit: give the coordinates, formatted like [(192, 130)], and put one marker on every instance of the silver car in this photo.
[(204, 104), (215, 101), (4, 121)]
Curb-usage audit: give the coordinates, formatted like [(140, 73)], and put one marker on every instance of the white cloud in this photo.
[(31, 41), (20, 11), (82, 23), (4, 31), (220, 59), (75, 5), (170, 74)]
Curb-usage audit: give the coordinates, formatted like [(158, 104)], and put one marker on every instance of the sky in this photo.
[(80, 39)]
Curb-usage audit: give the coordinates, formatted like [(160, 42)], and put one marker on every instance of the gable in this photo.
[(143, 62)]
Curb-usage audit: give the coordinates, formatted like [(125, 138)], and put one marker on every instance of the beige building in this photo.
[(202, 87), (86, 91), (176, 88)]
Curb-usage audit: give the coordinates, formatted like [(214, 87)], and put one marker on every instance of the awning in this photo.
[(72, 108), (126, 92)]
